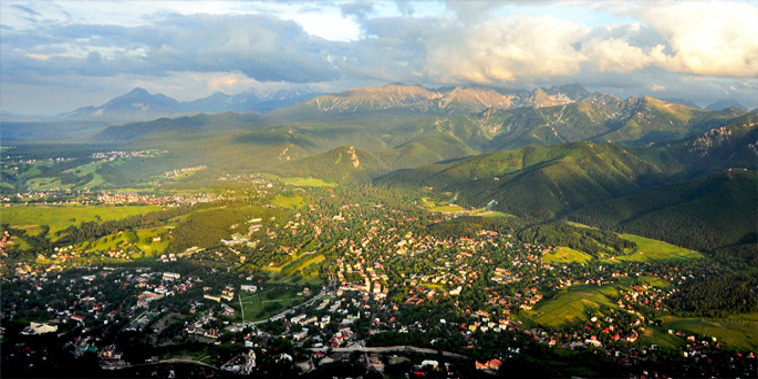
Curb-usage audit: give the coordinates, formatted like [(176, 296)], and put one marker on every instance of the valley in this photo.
[(370, 231)]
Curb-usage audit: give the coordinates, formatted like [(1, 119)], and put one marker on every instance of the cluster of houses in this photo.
[(178, 172)]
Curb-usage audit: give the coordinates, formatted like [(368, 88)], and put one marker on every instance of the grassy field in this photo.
[(61, 217), (259, 306), (573, 304), (37, 184), (302, 263), (564, 254), (89, 168), (578, 225), (116, 241), (654, 281), (653, 335), (738, 332), (649, 250), (308, 182), (441, 207), (153, 247), (288, 201)]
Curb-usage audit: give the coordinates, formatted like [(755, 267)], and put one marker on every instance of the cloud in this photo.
[(474, 10), (703, 38), (262, 47), (506, 50), (26, 10), (359, 9), (630, 49)]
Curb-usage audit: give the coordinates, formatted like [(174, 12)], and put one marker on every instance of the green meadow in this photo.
[(262, 305), (441, 206), (61, 217), (573, 304), (738, 331), (307, 182), (650, 250), (288, 201), (564, 254)]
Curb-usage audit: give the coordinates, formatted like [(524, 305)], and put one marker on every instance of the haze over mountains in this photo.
[(639, 165), (139, 105), (304, 103)]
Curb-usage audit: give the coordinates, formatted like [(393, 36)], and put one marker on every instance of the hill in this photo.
[(58, 131), (698, 192), (703, 214), (341, 165), (732, 145), (188, 124), (539, 181), (724, 104), (139, 105)]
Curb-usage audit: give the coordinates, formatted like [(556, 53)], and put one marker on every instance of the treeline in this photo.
[(468, 226), (126, 173), (595, 242), (718, 296), (93, 229), (591, 241), (207, 228)]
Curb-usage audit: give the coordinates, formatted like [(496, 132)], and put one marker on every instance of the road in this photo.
[(387, 349), (172, 360)]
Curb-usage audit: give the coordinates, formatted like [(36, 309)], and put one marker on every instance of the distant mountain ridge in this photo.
[(405, 99), (724, 104), (139, 105)]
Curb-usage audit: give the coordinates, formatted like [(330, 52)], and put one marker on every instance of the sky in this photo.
[(56, 56)]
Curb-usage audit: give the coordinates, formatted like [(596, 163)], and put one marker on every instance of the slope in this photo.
[(343, 164), (704, 214), (540, 181)]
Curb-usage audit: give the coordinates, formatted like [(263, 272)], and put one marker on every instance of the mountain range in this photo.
[(408, 100), (305, 104), (545, 154), (139, 105)]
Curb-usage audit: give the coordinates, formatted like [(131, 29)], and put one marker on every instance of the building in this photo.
[(171, 276), (227, 294), (211, 297), (39, 328), (297, 319)]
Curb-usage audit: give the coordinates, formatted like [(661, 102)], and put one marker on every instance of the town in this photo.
[(369, 285)]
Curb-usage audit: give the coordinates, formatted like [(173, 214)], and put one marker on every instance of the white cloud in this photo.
[(506, 50), (705, 38), (232, 46)]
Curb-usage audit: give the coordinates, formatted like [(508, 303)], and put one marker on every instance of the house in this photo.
[(494, 364), (171, 276), (631, 337), (434, 365), (228, 311), (249, 288)]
